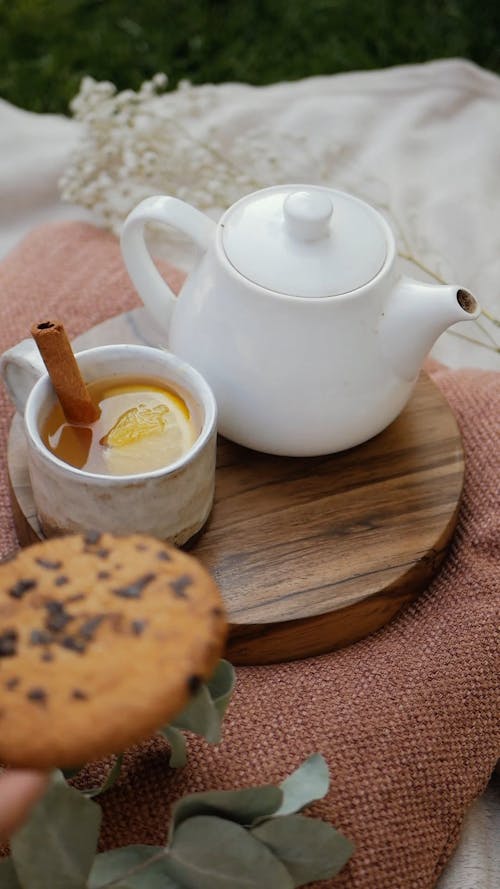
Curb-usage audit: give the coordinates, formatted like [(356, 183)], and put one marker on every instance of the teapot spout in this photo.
[(415, 315)]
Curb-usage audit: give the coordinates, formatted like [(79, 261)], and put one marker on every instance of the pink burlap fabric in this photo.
[(407, 719)]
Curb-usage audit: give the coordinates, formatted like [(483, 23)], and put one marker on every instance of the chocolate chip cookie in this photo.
[(103, 640)]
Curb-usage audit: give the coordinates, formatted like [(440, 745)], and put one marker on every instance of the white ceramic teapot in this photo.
[(295, 314)]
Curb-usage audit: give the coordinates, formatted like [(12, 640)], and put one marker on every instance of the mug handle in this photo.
[(21, 367), (151, 287)]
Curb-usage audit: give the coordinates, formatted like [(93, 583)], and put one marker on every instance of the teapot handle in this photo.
[(155, 293)]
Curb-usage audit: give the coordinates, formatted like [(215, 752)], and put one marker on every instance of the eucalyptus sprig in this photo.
[(203, 716), (204, 713), (239, 839)]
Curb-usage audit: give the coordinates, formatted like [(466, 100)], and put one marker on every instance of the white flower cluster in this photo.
[(135, 144)]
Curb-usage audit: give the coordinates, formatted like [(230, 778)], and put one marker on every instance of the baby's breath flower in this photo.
[(139, 143), (160, 80)]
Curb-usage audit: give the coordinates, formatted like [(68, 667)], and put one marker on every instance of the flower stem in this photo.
[(471, 339), (486, 333), (421, 265), (490, 317)]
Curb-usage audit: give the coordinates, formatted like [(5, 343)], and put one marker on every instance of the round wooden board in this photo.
[(311, 554)]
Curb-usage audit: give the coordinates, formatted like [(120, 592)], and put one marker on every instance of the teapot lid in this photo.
[(304, 241)]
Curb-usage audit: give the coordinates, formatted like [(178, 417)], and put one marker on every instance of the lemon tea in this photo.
[(143, 425)]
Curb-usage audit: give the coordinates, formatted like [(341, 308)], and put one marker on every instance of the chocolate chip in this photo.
[(47, 656), (39, 695), (39, 637), (11, 633), (54, 606), (179, 586), (45, 563), (21, 587), (58, 620), (87, 629), (12, 683), (140, 547), (74, 644), (103, 575), (58, 617), (91, 537), (194, 683), (8, 643), (138, 626), (61, 580), (102, 553), (79, 695), (217, 612), (164, 556), (134, 590)]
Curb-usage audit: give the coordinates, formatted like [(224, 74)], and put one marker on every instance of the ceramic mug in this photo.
[(172, 503)]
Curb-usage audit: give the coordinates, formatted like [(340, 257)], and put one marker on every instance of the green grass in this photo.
[(46, 46)]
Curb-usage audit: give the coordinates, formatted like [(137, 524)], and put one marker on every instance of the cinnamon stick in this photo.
[(61, 364)]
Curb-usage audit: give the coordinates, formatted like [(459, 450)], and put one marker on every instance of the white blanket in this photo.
[(421, 141)]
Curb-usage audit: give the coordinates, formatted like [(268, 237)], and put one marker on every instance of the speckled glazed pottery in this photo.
[(172, 503)]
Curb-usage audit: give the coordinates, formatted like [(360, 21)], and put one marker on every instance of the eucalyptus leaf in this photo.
[(205, 711), (308, 783), (221, 686), (212, 853), (178, 750), (56, 846), (200, 717), (128, 867), (309, 848), (8, 876), (111, 778), (239, 806)]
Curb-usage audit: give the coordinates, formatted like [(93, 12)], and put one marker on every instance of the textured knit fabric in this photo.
[(407, 718)]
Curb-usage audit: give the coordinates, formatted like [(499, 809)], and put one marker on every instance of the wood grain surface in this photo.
[(313, 554)]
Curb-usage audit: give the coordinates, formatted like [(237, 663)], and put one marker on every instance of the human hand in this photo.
[(20, 789)]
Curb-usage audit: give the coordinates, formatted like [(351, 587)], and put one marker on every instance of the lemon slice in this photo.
[(149, 435), (135, 424)]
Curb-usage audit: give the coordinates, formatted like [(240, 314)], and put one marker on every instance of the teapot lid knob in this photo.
[(285, 240), (308, 214)]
